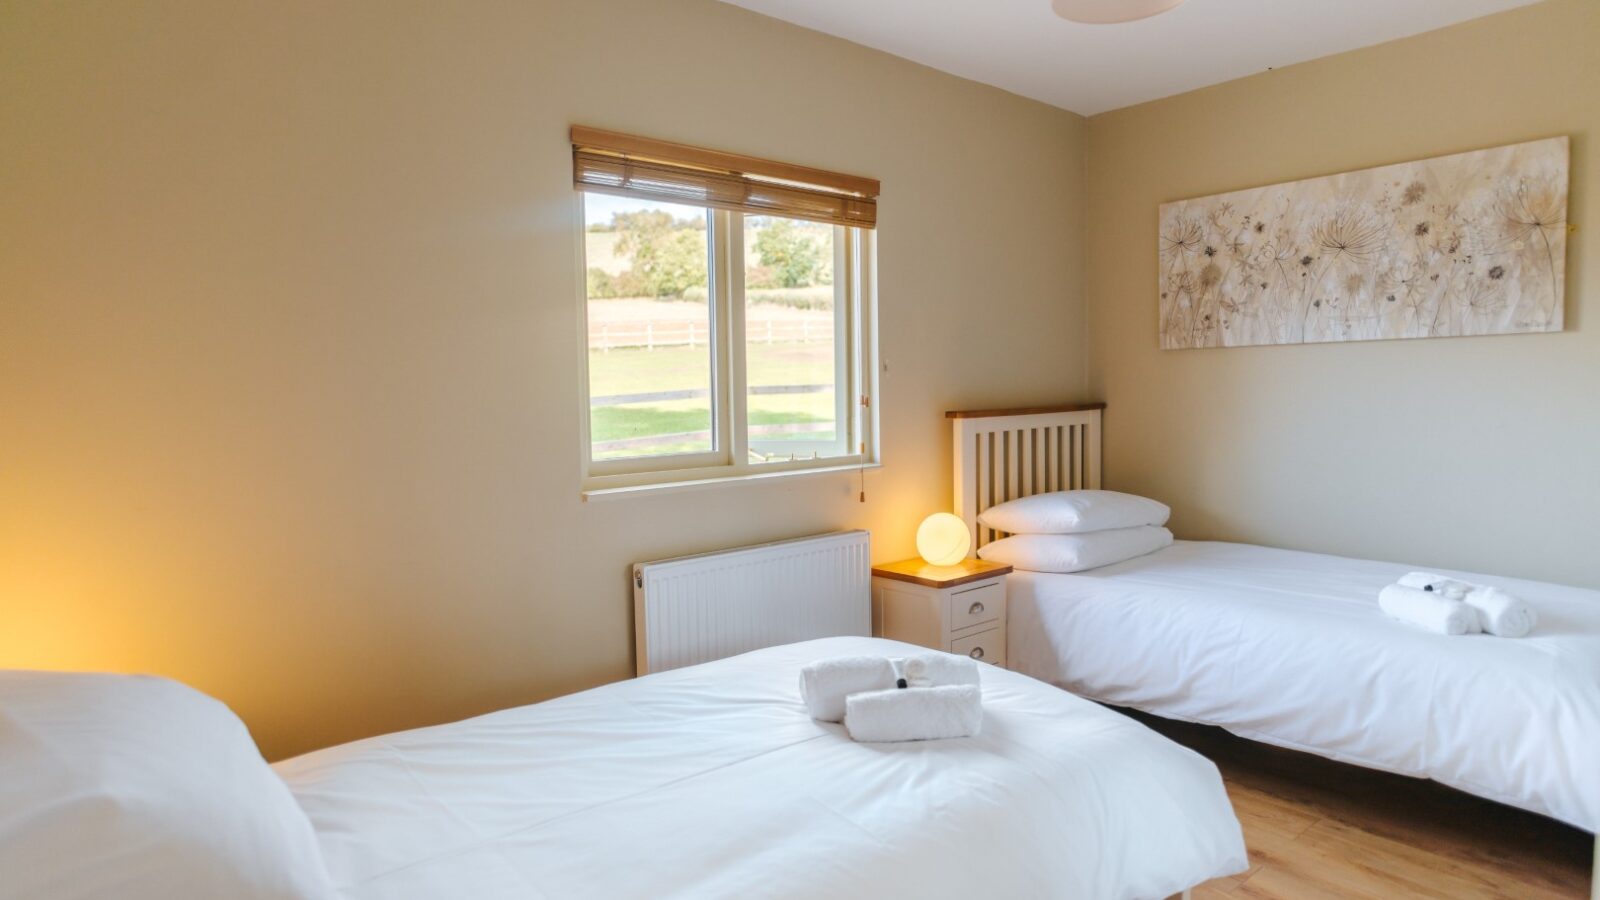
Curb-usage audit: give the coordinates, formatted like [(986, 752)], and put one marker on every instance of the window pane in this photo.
[(649, 327), (794, 340)]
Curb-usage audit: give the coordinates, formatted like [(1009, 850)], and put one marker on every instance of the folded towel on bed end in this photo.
[(1436, 584), (915, 714), (1427, 609), (1501, 614), (826, 683), (936, 669)]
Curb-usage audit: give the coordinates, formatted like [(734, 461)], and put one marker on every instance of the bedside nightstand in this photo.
[(959, 608)]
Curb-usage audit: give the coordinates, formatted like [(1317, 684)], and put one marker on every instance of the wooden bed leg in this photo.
[(1186, 896)]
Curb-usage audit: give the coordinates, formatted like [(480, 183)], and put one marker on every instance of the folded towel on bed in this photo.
[(915, 714), (1436, 584), (1427, 609), (936, 669), (826, 683), (1500, 613)]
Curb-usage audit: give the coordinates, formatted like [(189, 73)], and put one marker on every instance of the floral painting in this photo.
[(1468, 244)]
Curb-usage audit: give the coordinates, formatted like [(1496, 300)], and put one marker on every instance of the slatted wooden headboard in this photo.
[(1003, 454)]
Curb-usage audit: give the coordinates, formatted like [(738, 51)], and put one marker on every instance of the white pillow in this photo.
[(139, 788), (1074, 512), (1075, 552)]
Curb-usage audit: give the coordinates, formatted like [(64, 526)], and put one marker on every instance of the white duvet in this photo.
[(711, 781), (1290, 648)]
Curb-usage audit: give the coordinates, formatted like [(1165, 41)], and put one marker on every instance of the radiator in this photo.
[(698, 608)]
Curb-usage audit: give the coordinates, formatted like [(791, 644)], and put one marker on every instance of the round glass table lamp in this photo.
[(943, 539)]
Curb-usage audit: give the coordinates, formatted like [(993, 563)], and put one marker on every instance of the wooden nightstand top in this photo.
[(917, 571)]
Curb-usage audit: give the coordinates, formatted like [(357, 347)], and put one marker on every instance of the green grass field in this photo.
[(637, 371)]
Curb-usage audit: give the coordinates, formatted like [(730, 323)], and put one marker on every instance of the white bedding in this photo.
[(711, 781), (1290, 648)]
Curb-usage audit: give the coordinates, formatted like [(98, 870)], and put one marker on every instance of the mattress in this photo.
[(1290, 648), (711, 781)]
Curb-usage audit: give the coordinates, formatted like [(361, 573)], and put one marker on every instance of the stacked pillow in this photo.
[(1070, 531)]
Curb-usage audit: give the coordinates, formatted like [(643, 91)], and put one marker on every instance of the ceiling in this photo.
[(1021, 46)]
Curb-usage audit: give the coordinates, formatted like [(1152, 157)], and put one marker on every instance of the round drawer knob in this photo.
[(977, 653), (974, 609)]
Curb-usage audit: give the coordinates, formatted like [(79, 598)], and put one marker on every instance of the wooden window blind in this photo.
[(615, 163)]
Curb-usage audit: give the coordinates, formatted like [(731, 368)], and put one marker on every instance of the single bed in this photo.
[(711, 781), (1291, 648)]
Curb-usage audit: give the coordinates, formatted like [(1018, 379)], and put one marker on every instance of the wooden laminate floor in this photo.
[(1320, 829)]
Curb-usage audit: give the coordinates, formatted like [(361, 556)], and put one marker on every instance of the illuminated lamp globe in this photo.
[(943, 539)]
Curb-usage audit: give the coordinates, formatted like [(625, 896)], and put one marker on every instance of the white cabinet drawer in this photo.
[(987, 646), (984, 603)]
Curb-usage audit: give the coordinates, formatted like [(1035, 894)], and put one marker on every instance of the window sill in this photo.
[(673, 487)]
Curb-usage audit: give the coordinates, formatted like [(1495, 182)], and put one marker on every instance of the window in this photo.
[(723, 340)]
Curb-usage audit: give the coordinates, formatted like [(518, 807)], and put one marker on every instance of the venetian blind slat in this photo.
[(626, 172)]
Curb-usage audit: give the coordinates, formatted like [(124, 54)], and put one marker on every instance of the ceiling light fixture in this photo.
[(1110, 12)]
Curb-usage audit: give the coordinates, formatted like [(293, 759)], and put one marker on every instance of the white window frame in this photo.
[(855, 341)]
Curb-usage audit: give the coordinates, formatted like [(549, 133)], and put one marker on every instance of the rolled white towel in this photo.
[(1436, 584), (826, 683), (1500, 613), (936, 669), (915, 714), (1429, 610)]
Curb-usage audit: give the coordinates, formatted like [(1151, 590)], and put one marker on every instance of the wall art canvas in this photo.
[(1468, 244)]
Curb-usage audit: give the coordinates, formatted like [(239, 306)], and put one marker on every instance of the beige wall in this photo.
[(1477, 453), (289, 328)]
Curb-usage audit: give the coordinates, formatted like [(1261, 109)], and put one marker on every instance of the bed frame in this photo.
[(1003, 454)]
